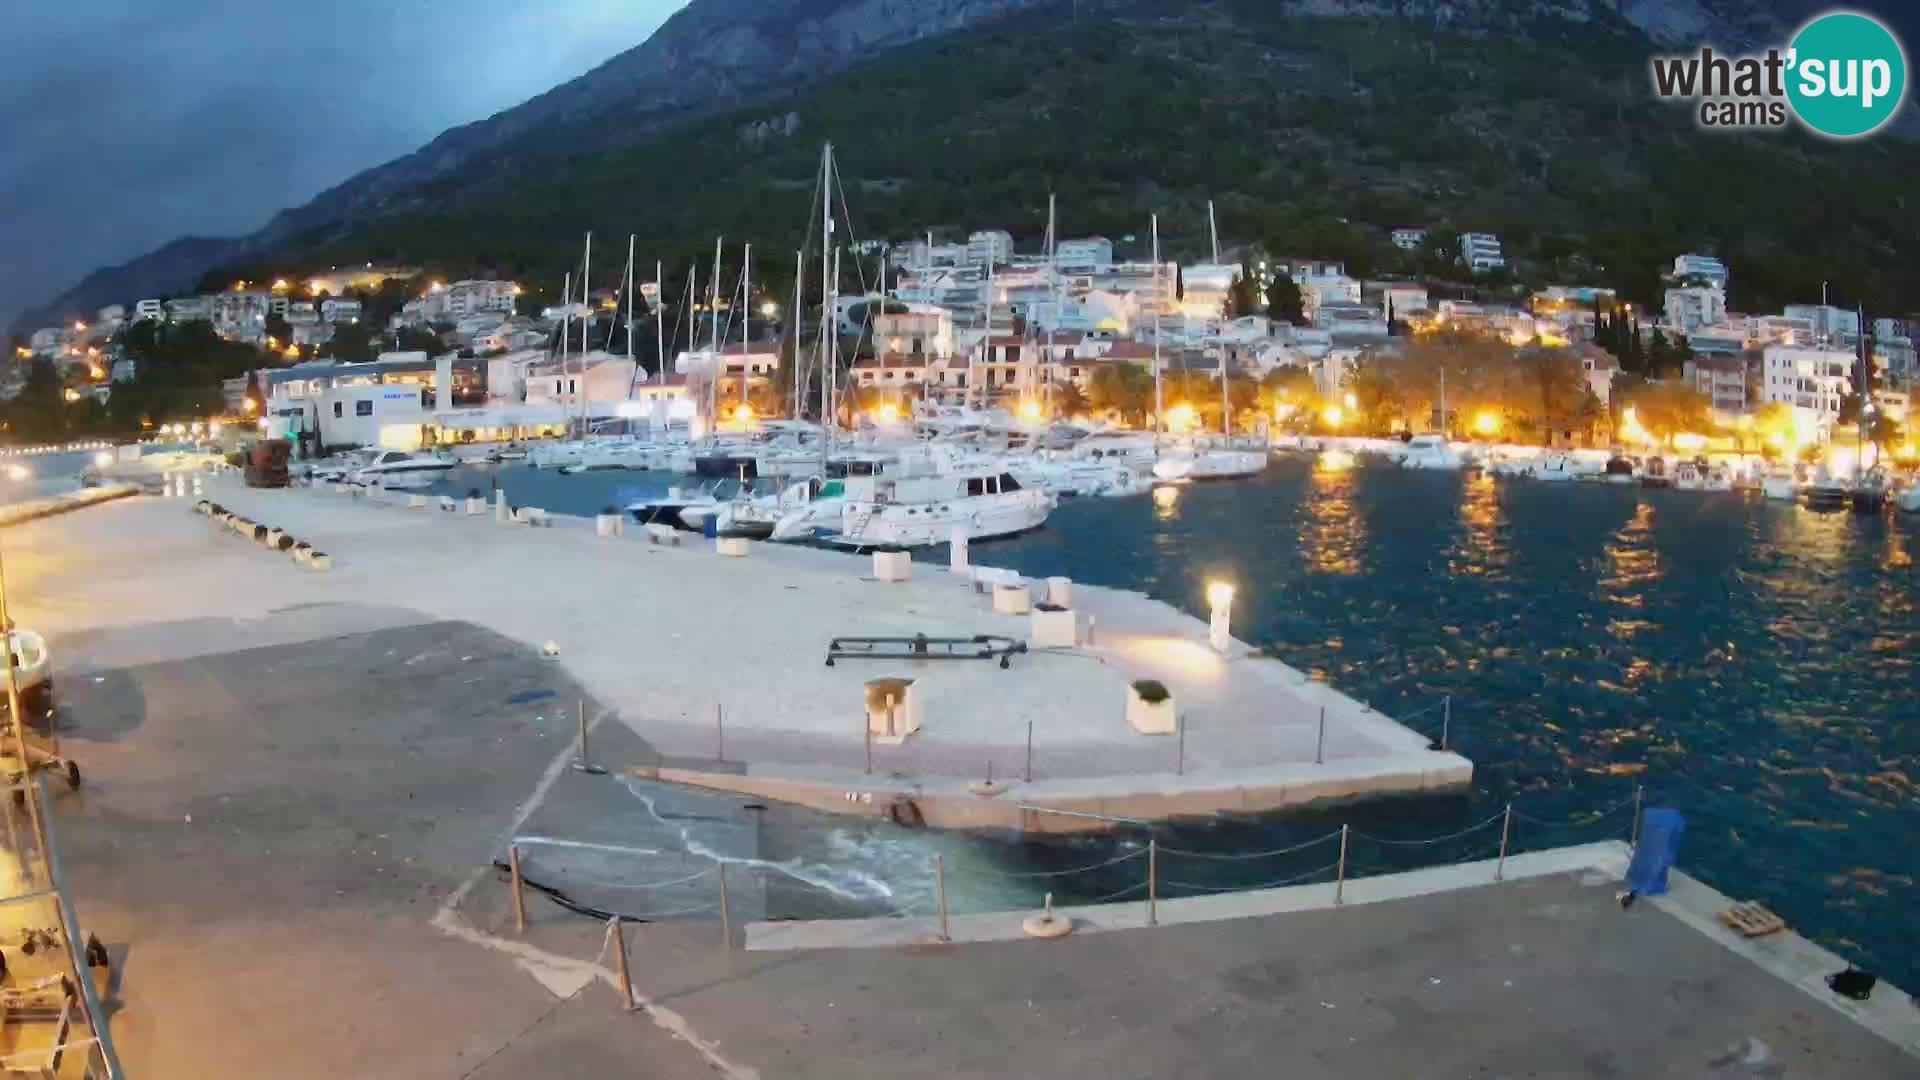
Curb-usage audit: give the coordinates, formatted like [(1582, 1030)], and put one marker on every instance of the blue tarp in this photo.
[(1659, 848)]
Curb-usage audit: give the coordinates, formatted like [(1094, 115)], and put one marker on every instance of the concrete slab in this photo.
[(650, 630)]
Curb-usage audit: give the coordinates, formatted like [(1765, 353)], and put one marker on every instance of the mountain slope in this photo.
[(1526, 116)]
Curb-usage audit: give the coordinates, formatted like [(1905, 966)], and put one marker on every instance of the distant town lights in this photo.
[(1487, 422), (1030, 409), (1333, 416)]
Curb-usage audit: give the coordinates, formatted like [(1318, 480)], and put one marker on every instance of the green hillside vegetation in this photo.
[(1313, 135)]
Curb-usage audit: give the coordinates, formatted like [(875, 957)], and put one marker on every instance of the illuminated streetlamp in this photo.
[(1220, 599), (769, 309)]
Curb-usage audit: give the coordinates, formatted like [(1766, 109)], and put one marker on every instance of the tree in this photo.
[(1069, 400), (1286, 389), (1283, 301), (1124, 388), (350, 342), (417, 339), (1243, 298)]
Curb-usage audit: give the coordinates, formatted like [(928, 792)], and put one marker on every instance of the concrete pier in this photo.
[(668, 637)]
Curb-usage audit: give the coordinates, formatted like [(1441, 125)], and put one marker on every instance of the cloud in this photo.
[(131, 123)]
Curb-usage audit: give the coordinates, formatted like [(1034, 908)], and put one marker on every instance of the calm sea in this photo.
[(1751, 663)]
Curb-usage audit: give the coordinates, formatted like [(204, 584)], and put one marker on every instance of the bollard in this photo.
[(519, 905), (1506, 823), (1153, 876), (1320, 746), (1091, 623), (940, 886), (620, 956), (1340, 880), (1028, 775), (726, 919)]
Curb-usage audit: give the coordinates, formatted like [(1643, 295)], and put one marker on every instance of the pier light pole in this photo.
[(1220, 633)]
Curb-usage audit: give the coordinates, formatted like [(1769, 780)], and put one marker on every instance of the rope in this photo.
[(1115, 895), (642, 886), (1596, 816), (1253, 855), (1245, 888), (1116, 860), (1435, 840)]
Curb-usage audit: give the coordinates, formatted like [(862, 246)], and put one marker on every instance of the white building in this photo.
[(1702, 267), (1722, 378), (472, 297), (1691, 307), (1409, 239), (338, 310), (50, 340), (1207, 288), (1481, 251), (991, 245), (1403, 300), (111, 317), (1828, 324), (1814, 381), (302, 313), (1085, 255), (1316, 291), (149, 309), (190, 309), (924, 331)]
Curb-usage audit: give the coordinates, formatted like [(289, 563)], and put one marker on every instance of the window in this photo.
[(336, 410), (570, 386), (976, 485), (1008, 483), (363, 408)]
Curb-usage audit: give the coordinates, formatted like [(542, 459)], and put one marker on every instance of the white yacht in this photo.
[(1780, 483), (1428, 452), (922, 510), (399, 470), (1199, 463), (1688, 476), (1554, 468)]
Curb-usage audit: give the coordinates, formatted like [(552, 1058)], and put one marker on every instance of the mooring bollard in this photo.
[(620, 959), (1340, 880), (940, 888), (1506, 823), (1153, 879), (519, 905)]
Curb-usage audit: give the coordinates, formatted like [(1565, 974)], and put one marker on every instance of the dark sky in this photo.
[(128, 123)]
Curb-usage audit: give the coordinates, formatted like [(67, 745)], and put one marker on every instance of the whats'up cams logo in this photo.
[(1844, 75)]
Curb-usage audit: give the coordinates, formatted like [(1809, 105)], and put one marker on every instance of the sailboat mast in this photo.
[(631, 297), (719, 368), (1213, 230), (829, 297), (746, 314), (986, 343), (566, 330), (1053, 282), (793, 373), (586, 321), (1158, 407)]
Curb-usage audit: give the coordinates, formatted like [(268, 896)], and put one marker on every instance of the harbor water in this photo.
[(1751, 663)]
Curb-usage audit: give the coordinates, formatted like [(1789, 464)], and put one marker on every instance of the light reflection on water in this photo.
[(1750, 662)]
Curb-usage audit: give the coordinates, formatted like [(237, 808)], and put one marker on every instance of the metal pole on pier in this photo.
[(1340, 881), (1633, 840), (1153, 881), (620, 956), (1506, 824), (940, 886), (1180, 748), (1446, 720), (866, 727), (1028, 775), (726, 920), (1320, 747), (719, 732)]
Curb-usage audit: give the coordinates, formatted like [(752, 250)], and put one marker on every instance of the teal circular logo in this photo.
[(1847, 75)]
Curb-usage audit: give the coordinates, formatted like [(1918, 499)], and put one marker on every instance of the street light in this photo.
[(769, 309)]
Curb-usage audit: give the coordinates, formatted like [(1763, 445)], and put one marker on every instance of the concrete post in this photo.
[(940, 886), (1506, 824), (519, 903), (500, 506), (1340, 881), (957, 553)]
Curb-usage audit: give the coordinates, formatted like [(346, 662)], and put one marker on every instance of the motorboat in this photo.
[(1779, 483), (679, 507), (1868, 492), (1718, 478), (806, 510), (1687, 477), (401, 470), (922, 510), (1195, 463), (1654, 473), (554, 454), (1621, 470), (340, 468), (1554, 468), (1828, 492), (1428, 452)]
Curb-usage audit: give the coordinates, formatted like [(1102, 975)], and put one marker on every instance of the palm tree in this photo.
[(1070, 400)]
